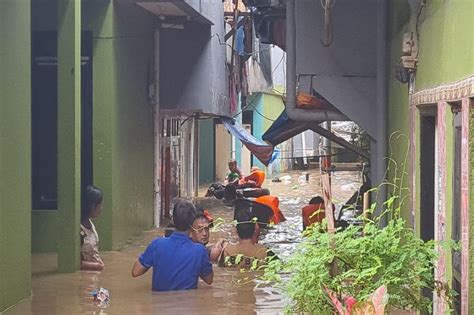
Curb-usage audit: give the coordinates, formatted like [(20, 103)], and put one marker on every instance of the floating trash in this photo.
[(101, 297)]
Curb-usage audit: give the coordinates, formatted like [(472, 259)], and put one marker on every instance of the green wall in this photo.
[(206, 151), (15, 152), (122, 120), (445, 56)]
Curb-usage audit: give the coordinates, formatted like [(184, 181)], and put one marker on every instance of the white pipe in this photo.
[(380, 163)]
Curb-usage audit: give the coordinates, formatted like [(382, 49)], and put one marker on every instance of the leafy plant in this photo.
[(357, 261)]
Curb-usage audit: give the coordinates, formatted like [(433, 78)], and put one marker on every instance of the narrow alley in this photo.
[(231, 292)]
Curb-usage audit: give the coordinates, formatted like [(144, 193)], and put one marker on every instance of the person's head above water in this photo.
[(200, 229), (316, 200), (245, 226), (184, 214), (232, 164), (91, 202)]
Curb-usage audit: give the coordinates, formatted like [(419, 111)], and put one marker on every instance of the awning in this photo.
[(262, 151), (284, 128)]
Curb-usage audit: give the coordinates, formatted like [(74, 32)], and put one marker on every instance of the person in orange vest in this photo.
[(254, 179), (314, 212), (274, 203)]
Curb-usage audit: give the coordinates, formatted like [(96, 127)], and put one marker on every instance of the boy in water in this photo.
[(246, 248), (234, 175)]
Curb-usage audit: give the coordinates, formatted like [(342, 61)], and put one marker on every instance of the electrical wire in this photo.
[(235, 50), (422, 6)]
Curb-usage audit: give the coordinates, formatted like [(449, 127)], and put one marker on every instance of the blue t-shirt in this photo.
[(177, 262)]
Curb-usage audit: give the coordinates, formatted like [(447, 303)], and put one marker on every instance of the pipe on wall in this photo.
[(378, 161), (157, 133), (295, 113)]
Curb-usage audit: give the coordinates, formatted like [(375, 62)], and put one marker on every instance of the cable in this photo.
[(282, 57), (422, 6), (235, 50)]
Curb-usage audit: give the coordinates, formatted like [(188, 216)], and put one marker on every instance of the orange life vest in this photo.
[(257, 176), (273, 202), (312, 214)]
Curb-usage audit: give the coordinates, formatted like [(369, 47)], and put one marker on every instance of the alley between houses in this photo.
[(231, 293)]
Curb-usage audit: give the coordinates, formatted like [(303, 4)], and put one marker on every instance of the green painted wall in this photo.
[(206, 151), (122, 126), (270, 106), (123, 118), (15, 152), (445, 56)]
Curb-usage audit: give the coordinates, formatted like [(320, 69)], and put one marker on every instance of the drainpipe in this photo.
[(157, 133), (295, 113), (378, 160)]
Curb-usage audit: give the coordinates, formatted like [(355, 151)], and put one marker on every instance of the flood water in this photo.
[(231, 292)]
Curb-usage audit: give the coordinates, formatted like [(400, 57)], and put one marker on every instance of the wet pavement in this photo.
[(231, 293)]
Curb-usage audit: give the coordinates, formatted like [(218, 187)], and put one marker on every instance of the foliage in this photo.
[(358, 260)]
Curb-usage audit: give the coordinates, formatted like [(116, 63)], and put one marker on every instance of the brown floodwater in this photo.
[(231, 293)]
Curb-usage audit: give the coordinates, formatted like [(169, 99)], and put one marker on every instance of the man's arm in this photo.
[(138, 269), (208, 279)]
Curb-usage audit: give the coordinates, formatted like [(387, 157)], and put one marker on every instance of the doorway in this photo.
[(223, 150), (44, 113), (427, 180)]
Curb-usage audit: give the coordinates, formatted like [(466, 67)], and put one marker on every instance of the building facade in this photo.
[(434, 111), (87, 97)]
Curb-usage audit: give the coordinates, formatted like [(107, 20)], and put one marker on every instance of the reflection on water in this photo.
[(231, 292)]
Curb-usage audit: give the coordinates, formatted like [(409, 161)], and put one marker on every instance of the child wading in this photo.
[(91, 207)]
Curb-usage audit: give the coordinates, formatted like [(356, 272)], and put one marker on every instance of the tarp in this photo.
[(283, 128), (262, 151)]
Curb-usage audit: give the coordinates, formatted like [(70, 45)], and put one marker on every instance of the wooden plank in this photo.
[(440, 217), (465, 112)]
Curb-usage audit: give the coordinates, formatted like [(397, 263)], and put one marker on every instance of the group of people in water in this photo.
[(178, 261)]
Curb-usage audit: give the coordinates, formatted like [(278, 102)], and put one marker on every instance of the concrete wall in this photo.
[(446, 29), (267, 108), (15, 152), (346, 71), (122, 120), (123, 117), (206, 151), (193, 63)]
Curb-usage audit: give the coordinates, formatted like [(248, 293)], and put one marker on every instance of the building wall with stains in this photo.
[(15, 152), (122, 121), (443, 85)]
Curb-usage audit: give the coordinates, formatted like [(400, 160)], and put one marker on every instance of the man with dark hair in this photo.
[(246, 249), (200, 233), (176, 260), (314, 212)]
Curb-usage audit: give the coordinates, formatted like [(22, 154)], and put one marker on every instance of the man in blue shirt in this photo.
[(177, 261)]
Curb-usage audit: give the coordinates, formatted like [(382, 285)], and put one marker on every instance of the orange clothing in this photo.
[(258, 177), (312, 214), (273, 202)]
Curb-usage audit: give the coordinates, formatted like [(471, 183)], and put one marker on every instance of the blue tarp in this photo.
[(283, 128), (262, 151)]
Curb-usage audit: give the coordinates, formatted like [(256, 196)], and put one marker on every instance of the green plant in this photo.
[(358, 260)]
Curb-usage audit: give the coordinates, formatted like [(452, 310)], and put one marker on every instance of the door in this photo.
[(44, 112), (245, 155), (223, 151)]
